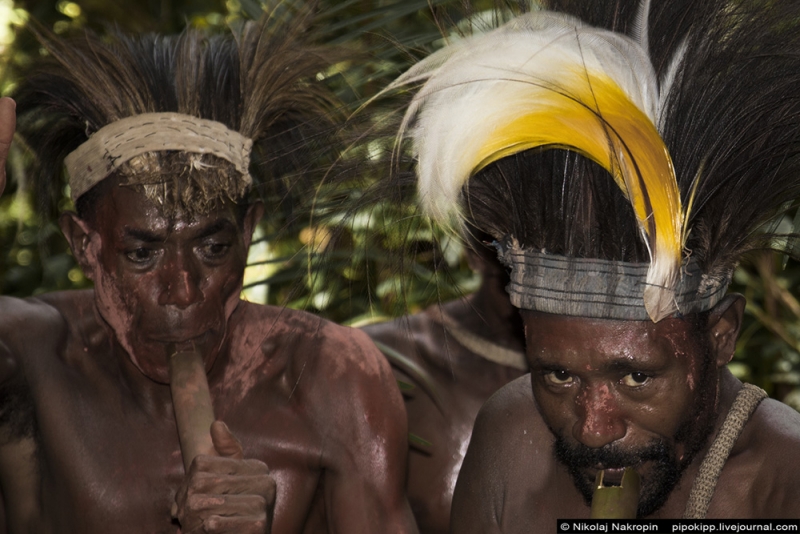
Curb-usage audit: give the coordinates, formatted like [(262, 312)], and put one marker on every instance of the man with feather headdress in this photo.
[(624, 159), (157, 135)]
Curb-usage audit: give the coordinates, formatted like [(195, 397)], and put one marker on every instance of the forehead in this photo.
[(124, 207), (555, 338)]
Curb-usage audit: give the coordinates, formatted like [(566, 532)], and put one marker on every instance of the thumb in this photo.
[(8, 122), (225, 442)]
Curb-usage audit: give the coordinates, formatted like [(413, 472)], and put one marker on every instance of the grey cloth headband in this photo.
[(595, 288)]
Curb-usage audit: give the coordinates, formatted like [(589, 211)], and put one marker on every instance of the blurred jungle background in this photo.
[(351, 267)]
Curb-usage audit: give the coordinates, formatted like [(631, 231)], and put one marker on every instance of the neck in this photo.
[(152, 397)]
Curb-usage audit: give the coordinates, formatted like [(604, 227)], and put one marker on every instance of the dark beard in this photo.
[(662, 479), (666, 470)]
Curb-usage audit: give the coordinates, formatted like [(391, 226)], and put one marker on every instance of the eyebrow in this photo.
[(626, 366), (144, 235), (220, 225), (148, 236), (622, 365)]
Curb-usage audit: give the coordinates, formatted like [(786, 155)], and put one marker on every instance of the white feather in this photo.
[(480, 83), (641, 25), (669, 78)]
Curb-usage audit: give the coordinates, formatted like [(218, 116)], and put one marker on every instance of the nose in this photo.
[(180, 283), (600, 420)]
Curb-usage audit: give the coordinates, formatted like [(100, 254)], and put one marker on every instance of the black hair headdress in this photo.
[(262, 83)]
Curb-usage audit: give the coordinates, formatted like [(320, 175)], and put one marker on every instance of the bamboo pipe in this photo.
[(616, 502), (191, 401)]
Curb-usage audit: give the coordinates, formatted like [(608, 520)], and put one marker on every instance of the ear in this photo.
[(79, 236), (251, 218), (724, 324)]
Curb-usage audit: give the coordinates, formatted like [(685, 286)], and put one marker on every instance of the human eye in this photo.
[(558, 377), (635, 379), (214, 250), (141, 255)]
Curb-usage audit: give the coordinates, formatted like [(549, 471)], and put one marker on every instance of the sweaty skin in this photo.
[(316, 409), (311, 435), (462, 380), (600, 382)]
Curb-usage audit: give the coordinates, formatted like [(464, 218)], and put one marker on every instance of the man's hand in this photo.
[(225, 493), (8, 122)]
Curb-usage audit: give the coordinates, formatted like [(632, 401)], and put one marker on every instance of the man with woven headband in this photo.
[(110, 395), (623, 176)]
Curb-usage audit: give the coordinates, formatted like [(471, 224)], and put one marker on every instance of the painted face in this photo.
[(623, 394), (165, 280)]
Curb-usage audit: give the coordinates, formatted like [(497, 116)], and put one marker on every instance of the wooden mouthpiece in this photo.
[(616, 502), (191, 401)]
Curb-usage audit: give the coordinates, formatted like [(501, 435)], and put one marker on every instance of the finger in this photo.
[(8, 123), (204, 506), (225, 442), (198, 508), (236, 525), (233, 485)]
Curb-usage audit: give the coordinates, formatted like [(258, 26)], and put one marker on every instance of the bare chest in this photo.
[(105, 461)]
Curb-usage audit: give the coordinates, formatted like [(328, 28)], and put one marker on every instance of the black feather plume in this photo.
[(266, 82)]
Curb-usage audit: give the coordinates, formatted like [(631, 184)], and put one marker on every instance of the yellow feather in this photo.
[(594, 117)]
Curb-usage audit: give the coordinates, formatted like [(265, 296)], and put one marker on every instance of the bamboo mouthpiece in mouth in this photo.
[(616, 502), (191, 401)]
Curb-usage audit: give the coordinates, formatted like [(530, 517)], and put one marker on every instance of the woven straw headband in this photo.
[(597, 288), (117, 143)]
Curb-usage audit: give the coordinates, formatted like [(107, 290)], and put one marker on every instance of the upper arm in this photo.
[(367, 452), (498, 469), (28, 328), (777, 457), (477, 498), (14, 408), (9, 359), (20, 321)]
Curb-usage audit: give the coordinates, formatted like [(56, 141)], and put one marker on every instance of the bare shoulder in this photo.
[(322, 356), (775, 433), (768, 454), (32, 312), (506, 420), (304, 328), (509, 426), (31, 330), (506, 457), (342, 385), (776, 438), (25, 324)]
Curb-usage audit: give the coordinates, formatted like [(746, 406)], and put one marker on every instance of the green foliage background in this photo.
[(345, 266)]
